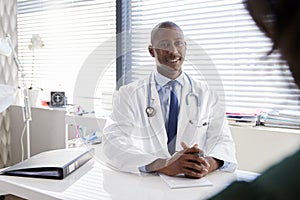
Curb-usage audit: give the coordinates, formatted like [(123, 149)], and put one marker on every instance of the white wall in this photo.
[(47, 131), (260, 147), (8, 72)]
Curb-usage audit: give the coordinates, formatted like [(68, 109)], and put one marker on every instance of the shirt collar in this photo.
[(161, 80)]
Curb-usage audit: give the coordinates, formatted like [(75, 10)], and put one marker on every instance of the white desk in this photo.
[(95, 181)]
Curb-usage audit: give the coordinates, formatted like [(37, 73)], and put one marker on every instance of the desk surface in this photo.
[(96, 181)]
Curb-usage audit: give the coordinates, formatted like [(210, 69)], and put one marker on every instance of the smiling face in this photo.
[(168, 48)]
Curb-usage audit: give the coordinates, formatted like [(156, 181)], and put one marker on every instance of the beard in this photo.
[(167, 71)]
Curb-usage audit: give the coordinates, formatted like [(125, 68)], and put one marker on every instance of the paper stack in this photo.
[(282, 119), (244, 117)]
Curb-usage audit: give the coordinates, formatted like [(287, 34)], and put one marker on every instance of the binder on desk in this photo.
[(54, 164)]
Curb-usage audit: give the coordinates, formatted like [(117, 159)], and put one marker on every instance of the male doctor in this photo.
[(168, 123)]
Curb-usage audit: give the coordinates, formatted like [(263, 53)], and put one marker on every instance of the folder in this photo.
[(54, 164)]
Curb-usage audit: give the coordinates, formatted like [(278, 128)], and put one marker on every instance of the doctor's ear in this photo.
[(151, 50)]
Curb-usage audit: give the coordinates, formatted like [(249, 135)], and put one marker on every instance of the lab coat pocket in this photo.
[(195, 133)]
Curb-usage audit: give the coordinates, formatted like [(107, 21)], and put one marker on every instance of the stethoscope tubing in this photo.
[(150, 111)]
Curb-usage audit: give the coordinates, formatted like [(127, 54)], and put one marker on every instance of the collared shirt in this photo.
[(164, 93), (164, 96), (164, 90)]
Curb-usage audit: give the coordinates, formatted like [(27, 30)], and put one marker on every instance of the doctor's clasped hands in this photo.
[(186, 161)]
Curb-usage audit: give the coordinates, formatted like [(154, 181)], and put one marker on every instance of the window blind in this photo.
[(76, 34), (224, 47)]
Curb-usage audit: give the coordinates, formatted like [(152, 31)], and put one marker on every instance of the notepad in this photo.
[(180, 181)]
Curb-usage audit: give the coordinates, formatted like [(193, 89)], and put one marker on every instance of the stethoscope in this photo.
[(151, 112)]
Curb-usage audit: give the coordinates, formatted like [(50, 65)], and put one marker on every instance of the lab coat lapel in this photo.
[(157, 121), (183, 118)]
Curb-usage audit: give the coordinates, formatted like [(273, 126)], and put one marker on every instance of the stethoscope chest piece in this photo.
[(150, 111)]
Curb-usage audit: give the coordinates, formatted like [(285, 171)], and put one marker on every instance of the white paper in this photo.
[(181, 181)]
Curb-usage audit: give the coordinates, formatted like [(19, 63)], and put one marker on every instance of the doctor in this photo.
[(168, 123)]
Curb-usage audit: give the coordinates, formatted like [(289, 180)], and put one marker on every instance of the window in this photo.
[(223, 45), (78, 52)]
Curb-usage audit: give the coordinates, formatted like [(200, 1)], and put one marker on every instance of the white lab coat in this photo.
[(132, 139)]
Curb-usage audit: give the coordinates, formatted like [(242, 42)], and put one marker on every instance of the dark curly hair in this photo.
[(280, 21)]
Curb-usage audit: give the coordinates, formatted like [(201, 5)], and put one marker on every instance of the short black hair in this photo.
[(166, 24)]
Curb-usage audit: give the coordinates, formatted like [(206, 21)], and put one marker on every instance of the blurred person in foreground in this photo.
[(280, 21)]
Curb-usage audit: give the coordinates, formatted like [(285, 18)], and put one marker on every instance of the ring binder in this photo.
[(54, 164)]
